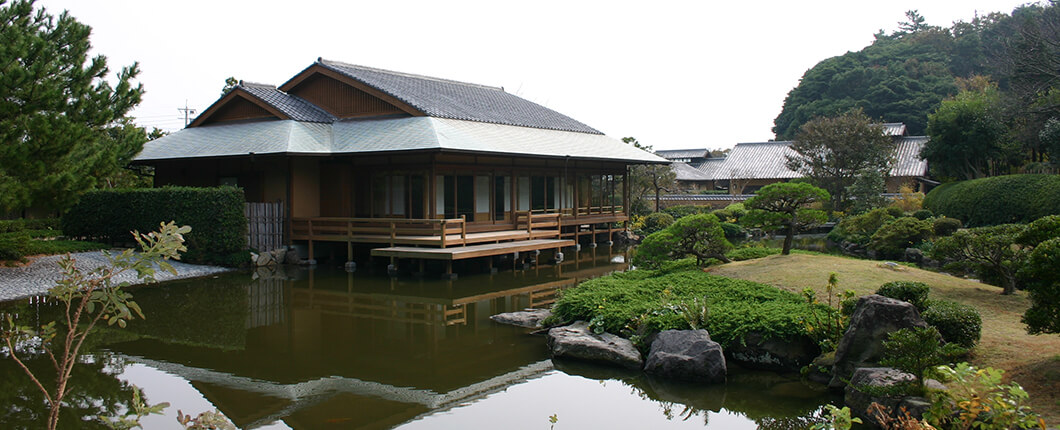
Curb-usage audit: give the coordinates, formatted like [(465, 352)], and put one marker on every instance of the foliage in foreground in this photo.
[(644, 301), (976, 398), (88, 299)]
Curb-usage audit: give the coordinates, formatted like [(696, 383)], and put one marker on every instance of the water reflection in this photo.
[(325, 348)]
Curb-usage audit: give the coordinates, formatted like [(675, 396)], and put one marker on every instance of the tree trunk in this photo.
[(788, 238), (657, 199), (1008, 284)]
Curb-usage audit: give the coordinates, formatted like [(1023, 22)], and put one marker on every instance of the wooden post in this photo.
[(463, 229), (310, 240), (443, 231), (393, 233)]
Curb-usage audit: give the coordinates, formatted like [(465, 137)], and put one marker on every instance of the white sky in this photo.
[(673, 74)]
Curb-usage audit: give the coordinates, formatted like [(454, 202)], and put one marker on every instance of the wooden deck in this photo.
[(471, 251)]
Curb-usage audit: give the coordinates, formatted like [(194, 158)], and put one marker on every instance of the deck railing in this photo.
[(382, 230), (546, 224)]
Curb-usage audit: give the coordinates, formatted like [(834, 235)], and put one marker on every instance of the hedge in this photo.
[(997, 200), (219, 228)]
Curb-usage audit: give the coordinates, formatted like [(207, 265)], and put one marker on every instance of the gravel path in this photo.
[(42, 273)]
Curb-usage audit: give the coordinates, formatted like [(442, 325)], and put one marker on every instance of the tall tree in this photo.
[(833, 151), (967, 135), (62, 124), (648, 178)]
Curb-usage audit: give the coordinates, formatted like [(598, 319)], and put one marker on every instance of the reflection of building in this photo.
[(362, 155), (351, 350)]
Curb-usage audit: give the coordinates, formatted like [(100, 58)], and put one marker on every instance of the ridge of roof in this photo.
[(325, 62), (243, 83)]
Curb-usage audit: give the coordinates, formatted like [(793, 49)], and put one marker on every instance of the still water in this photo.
[(327, 349)]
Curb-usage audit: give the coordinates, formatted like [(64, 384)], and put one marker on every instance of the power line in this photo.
[(186, 112)]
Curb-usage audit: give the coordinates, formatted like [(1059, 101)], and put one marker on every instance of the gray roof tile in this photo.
[(443, 98), (293, 106)]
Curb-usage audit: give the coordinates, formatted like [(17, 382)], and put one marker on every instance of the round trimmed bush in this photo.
[(923, 214), (944, 226), (893, 238), (733, 231), (958, 323), (655, 222), (1041, 230), (997, 200), (916, 293)]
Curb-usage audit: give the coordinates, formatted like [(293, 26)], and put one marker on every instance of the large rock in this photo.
[(578, 342), (882, 385), (758, 352), (874, 318), (687, 355), (626, 237), (530, 318)]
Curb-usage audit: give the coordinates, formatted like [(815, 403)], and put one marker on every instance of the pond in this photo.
[(324, 348)]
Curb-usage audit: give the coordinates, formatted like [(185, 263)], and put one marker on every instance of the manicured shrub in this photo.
[(14, 246), (915, 350), (1040, 230), (860, 228), (923, 214), (655, 249), (988, 250), (641, 302), (893, 238), (958, 323), (12, 225), (916, 293), (997, 200), (894, 211), (1041, 275), (751, 252), (943, 226), (656, 221), (731, 213), (681, 211), (699, 235), (215, 215), (733, 231)]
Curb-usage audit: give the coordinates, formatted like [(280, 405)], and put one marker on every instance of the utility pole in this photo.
[(187, 112)]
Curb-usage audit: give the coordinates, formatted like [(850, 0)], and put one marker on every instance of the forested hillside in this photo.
[(905, 75)]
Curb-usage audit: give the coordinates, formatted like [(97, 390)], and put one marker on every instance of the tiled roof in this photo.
[(907, 161), (687, 173), (767, 160), (756, 160), (293, 106), (443, 98), (893, 128), (384, 135), (710, 166), (671, 154)]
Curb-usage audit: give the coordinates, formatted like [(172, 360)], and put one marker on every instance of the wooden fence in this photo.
[(265, 229)]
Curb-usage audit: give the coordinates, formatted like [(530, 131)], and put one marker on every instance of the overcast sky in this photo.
[(672, 74)]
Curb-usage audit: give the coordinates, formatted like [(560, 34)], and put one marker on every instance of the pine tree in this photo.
[(63, 126)]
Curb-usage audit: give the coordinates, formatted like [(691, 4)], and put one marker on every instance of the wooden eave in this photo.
[(319, 69), (236, 93)]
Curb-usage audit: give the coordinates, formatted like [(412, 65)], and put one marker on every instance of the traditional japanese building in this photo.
[(362, 155)]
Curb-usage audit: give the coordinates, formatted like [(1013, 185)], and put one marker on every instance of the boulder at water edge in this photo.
[(578, 342), (687, 355), (878, 380), (530, 318), (759, 352), (874, 318)]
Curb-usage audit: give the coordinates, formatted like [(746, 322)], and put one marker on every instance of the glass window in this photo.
[(502, 197)]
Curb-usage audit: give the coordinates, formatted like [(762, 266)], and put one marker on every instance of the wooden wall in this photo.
[(340, 99), (238, 109)]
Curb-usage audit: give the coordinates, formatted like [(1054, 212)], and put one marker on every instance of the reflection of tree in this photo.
[(94, 391)]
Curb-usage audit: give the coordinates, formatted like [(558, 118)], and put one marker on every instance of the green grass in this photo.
[(1005, 343)]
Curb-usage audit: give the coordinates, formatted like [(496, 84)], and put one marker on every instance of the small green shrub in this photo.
[(655, 222), (14, 246), (977, 399), (943, 226), (12, 225), (891, 239), (1040, 230), (860, 228), (733, 231), (915, 350), (956, 322), (997, 200), (894, 211), (219, 227), (751, 252), (731, 213), (1041, 274), (16, 225), (915, 293), (681, 211), (923, 214)]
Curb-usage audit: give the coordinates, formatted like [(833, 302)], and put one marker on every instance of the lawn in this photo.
[(1033, 361)]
